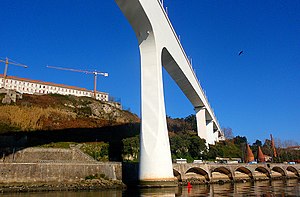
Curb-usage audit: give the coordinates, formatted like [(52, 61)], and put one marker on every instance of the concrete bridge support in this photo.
[(205, 126), (210, 132), (160, 46), (201, 122), (155, 154)]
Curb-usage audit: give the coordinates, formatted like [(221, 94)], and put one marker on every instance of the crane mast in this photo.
[(7, 62), (95, 73)]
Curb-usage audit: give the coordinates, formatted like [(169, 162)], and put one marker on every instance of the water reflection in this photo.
[(107, 193), (261, 188)]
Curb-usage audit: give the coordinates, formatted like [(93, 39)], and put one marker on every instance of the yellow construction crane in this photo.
[(95, 73), (7, 62)]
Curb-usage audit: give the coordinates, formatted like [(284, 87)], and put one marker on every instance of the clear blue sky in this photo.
[(255, 94)]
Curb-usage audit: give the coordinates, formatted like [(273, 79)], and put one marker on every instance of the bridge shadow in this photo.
[(14, 141), (130, 174)]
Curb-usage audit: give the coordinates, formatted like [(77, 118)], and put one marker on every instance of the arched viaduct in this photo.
[(234, 172)]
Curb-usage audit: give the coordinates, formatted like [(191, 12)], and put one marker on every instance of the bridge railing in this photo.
[(189, 63)]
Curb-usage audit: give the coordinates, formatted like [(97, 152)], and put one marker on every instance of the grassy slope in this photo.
[(57, 121), (56, 112), (48, 119)]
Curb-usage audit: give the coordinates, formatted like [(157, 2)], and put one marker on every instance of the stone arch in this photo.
[(199, 171), (245, 171), (222, 170), (279, 170), (177, 175), (263, 171), (293, 170)]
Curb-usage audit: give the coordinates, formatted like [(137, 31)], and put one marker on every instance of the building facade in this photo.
[(28, 86)]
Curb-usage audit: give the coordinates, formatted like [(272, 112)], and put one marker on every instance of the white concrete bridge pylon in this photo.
[(160, 46)]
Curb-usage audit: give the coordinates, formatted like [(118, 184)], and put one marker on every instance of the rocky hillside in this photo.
[(56, 112), (58, 121)]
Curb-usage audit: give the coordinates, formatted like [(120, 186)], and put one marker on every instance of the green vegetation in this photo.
[(131, 149), (185, 143), (96, 176), (188, 146), (84, 111), (5, 126), (285, 154), (191, 121), (1, 97), (58, 121), (58, 145), (226, 149), (97, 150)]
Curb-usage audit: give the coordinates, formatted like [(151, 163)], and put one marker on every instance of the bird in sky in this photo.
[(241, 52)]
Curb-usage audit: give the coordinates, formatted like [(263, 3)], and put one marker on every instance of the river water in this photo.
[(261, 188)]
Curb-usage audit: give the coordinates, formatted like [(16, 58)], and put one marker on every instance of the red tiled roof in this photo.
[(293, 147)]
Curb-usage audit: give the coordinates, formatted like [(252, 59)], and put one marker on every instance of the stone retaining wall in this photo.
[(35, 155), (57, 172)]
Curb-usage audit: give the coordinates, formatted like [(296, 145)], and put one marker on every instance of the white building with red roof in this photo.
[(28, 86)]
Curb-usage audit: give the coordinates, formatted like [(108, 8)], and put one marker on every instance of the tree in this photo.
[(131, 148), (238, 140), (228, 132), (188, 146), (191, 120), (257, 143), (197, 147), (289, 143), (255, 146), (179, 146), (226, 149), (267, 148)]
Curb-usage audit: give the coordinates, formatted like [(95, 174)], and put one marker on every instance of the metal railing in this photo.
[(187, 59)]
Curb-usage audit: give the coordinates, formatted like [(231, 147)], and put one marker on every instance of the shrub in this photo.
[(131, 148), (96, 176), (58, 145), (97, 150)]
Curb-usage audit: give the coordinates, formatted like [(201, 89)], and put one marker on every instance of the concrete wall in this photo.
[(33, 155), (54, 165), (56, 172)]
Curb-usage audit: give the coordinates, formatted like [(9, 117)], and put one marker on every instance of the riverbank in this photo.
[(290, 187), (83, 185), (104, 184)]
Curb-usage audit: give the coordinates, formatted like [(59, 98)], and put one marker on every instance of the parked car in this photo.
[(252, 162), (197, 161)]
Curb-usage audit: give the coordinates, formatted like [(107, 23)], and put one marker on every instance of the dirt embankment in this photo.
[(56, 112)]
